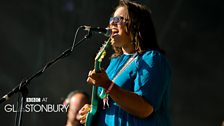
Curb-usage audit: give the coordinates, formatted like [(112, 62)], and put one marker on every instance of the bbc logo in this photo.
[(33, 99)]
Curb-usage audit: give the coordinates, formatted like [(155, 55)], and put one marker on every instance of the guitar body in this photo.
[(94, 99)]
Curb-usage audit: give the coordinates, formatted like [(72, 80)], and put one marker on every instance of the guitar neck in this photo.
[(97, 66), (94, 99)]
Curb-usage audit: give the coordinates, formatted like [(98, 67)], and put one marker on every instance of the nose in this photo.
[(112, 24)]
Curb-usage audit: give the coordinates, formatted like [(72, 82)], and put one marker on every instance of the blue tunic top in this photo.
[(149, 76)]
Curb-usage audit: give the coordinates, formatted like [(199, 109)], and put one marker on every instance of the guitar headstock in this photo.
[(101, 54)]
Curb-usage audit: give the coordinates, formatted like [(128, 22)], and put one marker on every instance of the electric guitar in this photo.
[(94, 99)]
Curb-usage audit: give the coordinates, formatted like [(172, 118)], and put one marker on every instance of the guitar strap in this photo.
[(126, 65), (103, 95)]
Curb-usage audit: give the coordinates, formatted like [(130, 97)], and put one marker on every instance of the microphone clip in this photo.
[(105, 31)]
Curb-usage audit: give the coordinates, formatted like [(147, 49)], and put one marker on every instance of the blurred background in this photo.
[(33, 32)]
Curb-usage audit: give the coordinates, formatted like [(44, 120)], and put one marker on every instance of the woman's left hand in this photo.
[(98, 78)]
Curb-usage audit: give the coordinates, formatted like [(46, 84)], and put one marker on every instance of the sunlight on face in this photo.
[(120, 36)]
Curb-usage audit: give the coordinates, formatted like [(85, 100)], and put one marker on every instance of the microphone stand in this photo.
[(22, 87)]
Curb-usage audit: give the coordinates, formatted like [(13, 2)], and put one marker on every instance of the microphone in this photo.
[(105, 31)]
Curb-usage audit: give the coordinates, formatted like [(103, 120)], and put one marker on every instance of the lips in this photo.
[(115, 32)]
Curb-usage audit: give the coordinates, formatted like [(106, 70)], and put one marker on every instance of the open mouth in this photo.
[(114, 32)]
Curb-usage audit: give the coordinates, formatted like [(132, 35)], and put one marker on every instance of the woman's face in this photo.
[(120, 37)]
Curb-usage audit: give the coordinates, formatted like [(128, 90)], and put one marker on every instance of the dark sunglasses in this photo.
[(116, 19)]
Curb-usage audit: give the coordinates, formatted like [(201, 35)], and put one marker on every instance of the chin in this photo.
[(114, 44)]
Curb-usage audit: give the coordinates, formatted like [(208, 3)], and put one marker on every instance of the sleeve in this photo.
[(152, 77)]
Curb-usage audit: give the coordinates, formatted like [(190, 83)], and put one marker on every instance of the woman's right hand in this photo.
[(83, 113)]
